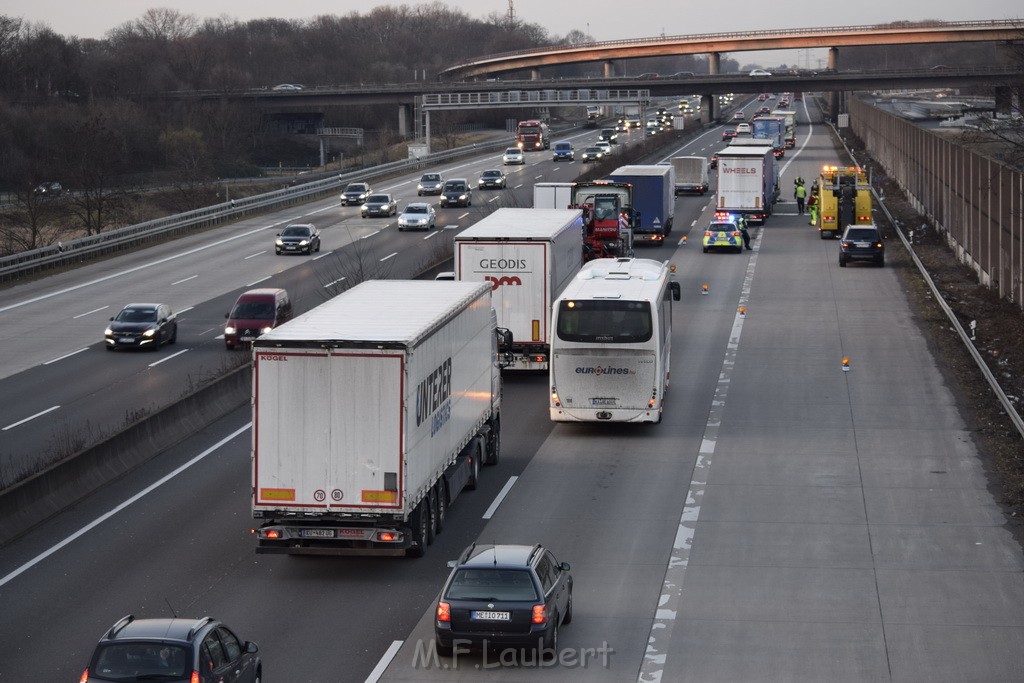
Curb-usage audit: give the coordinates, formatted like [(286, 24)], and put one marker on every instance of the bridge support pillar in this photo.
[(708, 104), (534, 74), (609, 69), (405, 116), (833, 97), (1004, 100), (714, 63)]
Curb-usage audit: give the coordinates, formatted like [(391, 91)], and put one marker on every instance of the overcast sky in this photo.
[(603, 19)]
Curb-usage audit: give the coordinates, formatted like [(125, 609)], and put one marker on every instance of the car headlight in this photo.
[(229, 330), (303, 243), (279, 243), (150, 332), (264, 330), (462, 197), (108, 332)]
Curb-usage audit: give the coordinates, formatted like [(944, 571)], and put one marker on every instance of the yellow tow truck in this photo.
[(843, 198)]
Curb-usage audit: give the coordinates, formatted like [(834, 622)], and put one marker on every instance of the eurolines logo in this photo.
[(603, 370)]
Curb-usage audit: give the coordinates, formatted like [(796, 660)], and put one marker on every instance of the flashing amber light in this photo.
[(743, 310), (704, 288), (846, 362), (684, 242), (540, 614), (444, 612), (272, 533)]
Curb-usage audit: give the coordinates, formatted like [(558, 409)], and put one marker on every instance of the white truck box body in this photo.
[(362, 402), (747, 180), (691, 174), (552, 195), (527, 256)]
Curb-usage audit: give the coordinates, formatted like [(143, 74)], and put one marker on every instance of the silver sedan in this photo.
[(418, 216)]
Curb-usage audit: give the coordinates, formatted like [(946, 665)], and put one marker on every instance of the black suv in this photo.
[(861, 243), (302, 238), (456, 192), (503, 596), (185, 650)]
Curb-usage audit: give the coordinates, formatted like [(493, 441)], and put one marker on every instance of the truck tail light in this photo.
[(444, 612), (865, 219), (388, 536), (540, 614), (271, 533)]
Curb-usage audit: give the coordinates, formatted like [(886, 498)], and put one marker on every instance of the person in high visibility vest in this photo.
[(812, 207), (801, 194)]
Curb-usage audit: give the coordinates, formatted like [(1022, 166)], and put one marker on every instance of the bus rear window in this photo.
[(604, 322)]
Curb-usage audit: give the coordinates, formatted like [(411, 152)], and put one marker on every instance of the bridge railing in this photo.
[(76, 250), (789, 33)]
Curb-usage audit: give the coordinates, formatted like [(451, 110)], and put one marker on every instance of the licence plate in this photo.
[(602, 401), (863, 244), (125, 340), (491, 616), (317, 533)]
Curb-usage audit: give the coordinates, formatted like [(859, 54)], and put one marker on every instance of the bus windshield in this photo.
[(604, 322)]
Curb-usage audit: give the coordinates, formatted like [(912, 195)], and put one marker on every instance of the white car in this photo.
[(513, 155), (755, 73), (287, 87), (418, 216), (605, 146), (742, 128)]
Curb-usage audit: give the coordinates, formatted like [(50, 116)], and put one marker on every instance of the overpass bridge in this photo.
[(714, 44)]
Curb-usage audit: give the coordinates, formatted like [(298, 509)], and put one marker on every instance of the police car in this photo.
[(723, 233)]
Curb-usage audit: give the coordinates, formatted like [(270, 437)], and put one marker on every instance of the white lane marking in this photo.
[(517, 186), (193, 277), (385, 662), (104, 517), (501, 496), (370, 235), (538, 177), (186, 309), (256, 282), (173, 355), (693, 222), (392, 187), (463, 215), (326, 253), (255, 255), (66, 355), (451, 227), (322, 208), (704, 208), (494, 199), (431, 235), (659, 641), (95, 310), (27, 419), (143, 266), (333, 282), (389, 256)]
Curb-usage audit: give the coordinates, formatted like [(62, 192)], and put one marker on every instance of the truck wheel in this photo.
[(494, 443), (420, 525), (442, 505), (474, 467)]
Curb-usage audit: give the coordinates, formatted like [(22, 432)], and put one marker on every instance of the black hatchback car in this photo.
[(297, 239), (491, 179), (861, 243), (141, 326), (456, 192), (503, 596), (175, 650)]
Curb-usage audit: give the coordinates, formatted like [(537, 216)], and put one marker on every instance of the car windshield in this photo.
[(593, 150), (492, 584), (722, 227), (357, 187), (454, 187), (604, 322), (378, 199), (512, 150), (295, 231), (416, 208), (137, 315), (431, 178), (141, 662), (861, 234), (253, 310), (491, 174)]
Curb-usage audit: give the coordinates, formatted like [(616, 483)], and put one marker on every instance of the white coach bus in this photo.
[(611, 342)]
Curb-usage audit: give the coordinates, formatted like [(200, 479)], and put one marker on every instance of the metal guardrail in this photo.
[(76, 250)]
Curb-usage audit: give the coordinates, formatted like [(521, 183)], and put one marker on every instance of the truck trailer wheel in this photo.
[(420, 523)]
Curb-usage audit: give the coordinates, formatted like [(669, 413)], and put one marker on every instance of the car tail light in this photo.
[(708, 233), (85, 677), (444, 612), (735, 233), (540, 614), (878, 245), (847, 244), (272, 533)]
